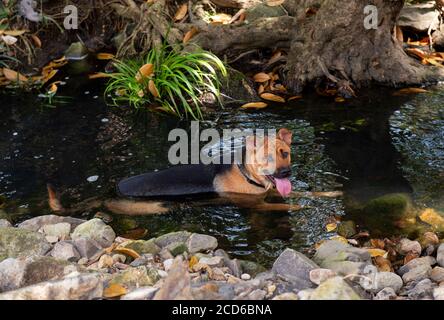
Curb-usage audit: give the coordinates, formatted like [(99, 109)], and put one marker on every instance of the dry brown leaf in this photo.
[(49, 75), (37, 41), (254, 105), (410, 256), (294, 98), (261, 77), (9, 40), (181, 12), (152, 88), (145, 71), (274, 3), (261, 89), (114, 290), (275, 57), (104, 56), (14, 76), (331, 227), (98, 75), (53, 87), (433, 61), (189, 34), (377, 253), (383, 264), (193, 261), (14, 33), (272, 97), (432, 217), (410, 91), (127, 251), (377, 243), (416, 52)]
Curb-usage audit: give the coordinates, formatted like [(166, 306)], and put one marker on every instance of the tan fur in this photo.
[(135, 208)]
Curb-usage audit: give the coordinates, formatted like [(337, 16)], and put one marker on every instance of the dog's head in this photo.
[(268, 160)]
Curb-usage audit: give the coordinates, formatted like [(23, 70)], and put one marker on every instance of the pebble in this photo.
[(105, 261), (92, 178), (119, 258), (437, 274), (438, 293), (440, 255), (408, 246), (245, 276), (386, 294), (317, 276), (167, 264)]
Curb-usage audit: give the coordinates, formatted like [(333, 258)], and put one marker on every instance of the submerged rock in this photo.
[(295, 267), (16, 242), (143, 246), (334, 289), (96, 230), (201, 243)]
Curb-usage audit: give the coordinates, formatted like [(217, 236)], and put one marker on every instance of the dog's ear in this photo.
[(285, 135)]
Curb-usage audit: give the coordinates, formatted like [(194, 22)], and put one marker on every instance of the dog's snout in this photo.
[(284, 172)]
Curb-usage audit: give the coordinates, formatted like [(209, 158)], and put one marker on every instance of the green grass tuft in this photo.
[(181, 78)]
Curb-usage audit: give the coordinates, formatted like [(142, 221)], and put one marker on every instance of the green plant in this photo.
[(178, 80)]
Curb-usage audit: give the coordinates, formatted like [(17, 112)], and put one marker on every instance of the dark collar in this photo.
[(249, 180)]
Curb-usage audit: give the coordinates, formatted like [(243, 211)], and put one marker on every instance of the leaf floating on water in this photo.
[(254, 105), (14, 76), (181, 12), (272, 97), (114, 290), (331, 227), (261, 77), (105, 56), (145, 71), (189, 34), (274, 3), (294, 98), (339, 99), (129, 252), (409, 91), (152, 88)]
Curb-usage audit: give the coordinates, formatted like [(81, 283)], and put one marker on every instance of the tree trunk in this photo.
[(334, 43)]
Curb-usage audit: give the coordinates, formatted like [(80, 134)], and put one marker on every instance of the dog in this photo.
[(265, 169)]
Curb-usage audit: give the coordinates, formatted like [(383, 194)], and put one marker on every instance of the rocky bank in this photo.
[(53, 257)]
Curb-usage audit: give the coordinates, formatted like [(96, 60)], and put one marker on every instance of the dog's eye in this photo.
[(284, 154)]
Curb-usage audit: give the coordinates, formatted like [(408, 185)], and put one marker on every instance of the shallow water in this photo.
[(369, 147)]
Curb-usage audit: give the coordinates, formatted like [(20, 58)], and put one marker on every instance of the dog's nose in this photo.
[(285, 172)]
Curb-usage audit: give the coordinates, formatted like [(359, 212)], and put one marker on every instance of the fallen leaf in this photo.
[(189, 34), (193, 261), (127, 251), (294, 98), (114, 290), (145, 71), (410, 256), (433, 218), (274, 3), (53, 88), (331, 227), (14, 76), (275, 57), (416, 52), (181, 12), (410, 91), (272, 97), (14, 33), (254, 105), (141, 93), (9, 40), (377, 243), (105, 56), (261, 77), (98, 75), (261, 89), (433, 61), (152, 88), (377, 252), (37, 41), (48, 76), (383, 264), (339, 99)]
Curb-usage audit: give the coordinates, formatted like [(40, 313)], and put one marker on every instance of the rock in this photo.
[(80, 287), (60, 230), (286, 296), (144, 293), (417, 269), (15, 273), (440, 255), (167, 264), (342, 258), (257, 294), (5, 223), (177, 284), (201, 243), (143, 246), (429, 239), (52, 239), (408, 246), (165, 254), (96, 230), (317, 276), (422, 290), (245, 277), (87, 248), (16, 242), (105, 261), (238, 88), (177, 248), (136, 277), (76, 51), (438, 293), (387, 280), (37, 223), (347, 229), (119, 258), (212, 262), (437, 274), (166, 239), (65, 250), (419, 16), (295, 267), (250, 267), (145, 259), (232, 264), (82, 261), (394, 205), (386, 294), (305, 294), (334, 289)]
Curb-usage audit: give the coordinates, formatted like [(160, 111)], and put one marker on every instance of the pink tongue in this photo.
[(283, 186)]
